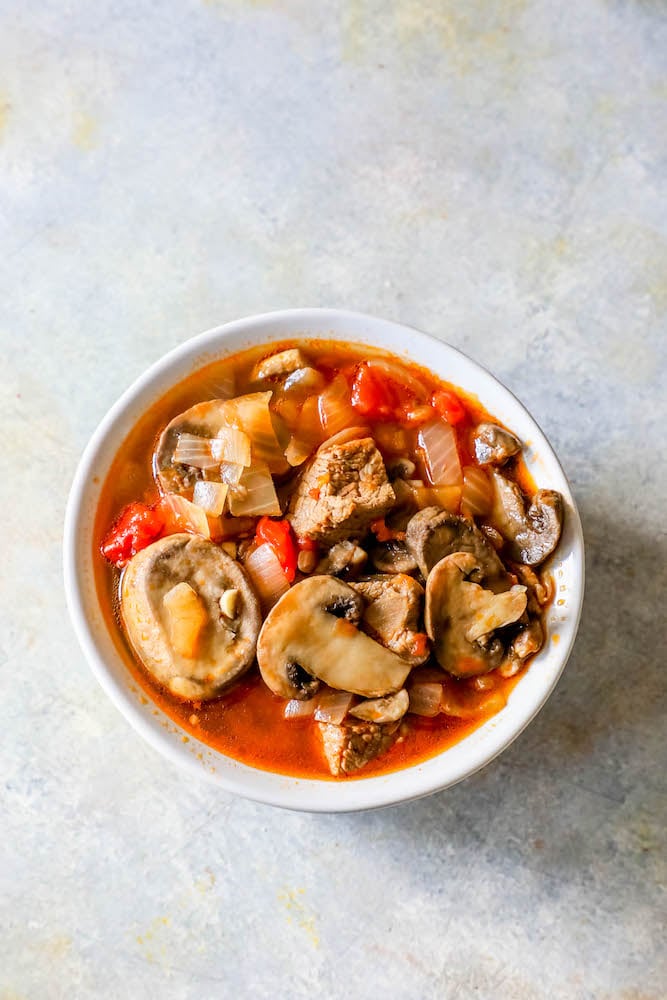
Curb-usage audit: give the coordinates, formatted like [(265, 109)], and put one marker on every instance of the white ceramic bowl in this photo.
[(454, 764)]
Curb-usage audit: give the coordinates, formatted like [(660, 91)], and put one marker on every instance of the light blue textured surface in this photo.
[(493, 172)]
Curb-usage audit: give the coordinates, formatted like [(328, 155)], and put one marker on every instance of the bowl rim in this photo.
[(302, 794)]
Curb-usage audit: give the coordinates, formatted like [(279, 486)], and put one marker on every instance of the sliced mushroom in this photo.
[(310, 636), (528, 641), (393, 557), (531, 530), (392, 613), (279, 365), (434, 533), (462, 617), (381, 710), (153, 607), (494, 445), (343, 559)]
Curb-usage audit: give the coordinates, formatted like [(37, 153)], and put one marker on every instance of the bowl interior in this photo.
[(160, 731)]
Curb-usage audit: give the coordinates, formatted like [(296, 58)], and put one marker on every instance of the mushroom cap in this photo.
[(393, 557), (461, 617), (310, 636), (532, 531), (494, 445), (227, 647), (434, 533)]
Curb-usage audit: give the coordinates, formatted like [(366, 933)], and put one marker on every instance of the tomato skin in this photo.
[(136, 527), (279, 535), (379, 396), (448, 405)]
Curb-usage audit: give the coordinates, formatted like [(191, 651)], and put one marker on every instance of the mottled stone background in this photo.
[(493, 172)]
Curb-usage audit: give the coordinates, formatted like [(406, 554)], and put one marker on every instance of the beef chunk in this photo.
[(343, 489), (352, 744)]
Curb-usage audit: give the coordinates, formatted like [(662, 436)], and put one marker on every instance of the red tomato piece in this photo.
[(448, 405), (378, 396), (279, 535), (136, 526)]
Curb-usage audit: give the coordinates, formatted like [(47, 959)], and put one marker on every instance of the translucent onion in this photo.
[(425, 699), (306, 379), (438, 442), (231, 445), (448, 497), (251, 414), (184, 515), (476, 497), (333, 706), (295, 709), (223, 387), (255, 493), (467, 704), (210, 496), (336, 411), (230, 473), (195, 451), (266, 575), (308, 433)]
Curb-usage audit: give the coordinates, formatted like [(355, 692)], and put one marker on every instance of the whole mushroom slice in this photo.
[(392, 614), (434, 533), (494, 445), (190, 615), (461, 617), (310, 636), (533, 530)]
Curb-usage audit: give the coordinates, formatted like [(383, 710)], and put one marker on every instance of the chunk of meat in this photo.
[(343, 489), (352, 744), (392, 613)]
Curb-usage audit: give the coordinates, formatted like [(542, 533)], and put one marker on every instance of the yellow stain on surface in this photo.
[(5, 107), (298, 914), (84, 131), (153, 939)]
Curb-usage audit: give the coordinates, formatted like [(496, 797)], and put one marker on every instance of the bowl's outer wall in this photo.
[(449, 767)]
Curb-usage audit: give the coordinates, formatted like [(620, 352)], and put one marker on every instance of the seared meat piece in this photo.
[(343, 489), (352, 744), (393, 609)]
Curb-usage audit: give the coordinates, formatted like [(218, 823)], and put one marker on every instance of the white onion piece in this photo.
[(336, 411), (333, 706), (195, 451), (397, 373), (438, 442), (266, 575), (295, 709), (297, 450), (187, 515), (210, 496), (223, 387), (305, 378), (255, 493), (231, 445), (476, 497), (251, 414), (230, 473), (425, 699)]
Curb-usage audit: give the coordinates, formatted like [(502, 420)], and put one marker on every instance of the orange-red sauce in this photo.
[(247, 722)]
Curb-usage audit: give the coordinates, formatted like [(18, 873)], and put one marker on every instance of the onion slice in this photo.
[(336, 411), (210, 496), (231, 445), (266, 575), (476, 497), (183, 515), (255, 493), (296, 709), (425, 699), (438, 442), (195, 451), (333, 706)]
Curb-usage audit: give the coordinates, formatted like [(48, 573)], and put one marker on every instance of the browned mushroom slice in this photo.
[(393, 557), (532, 530), (434, 533), (462, 618), (494, 445), (190, 615)]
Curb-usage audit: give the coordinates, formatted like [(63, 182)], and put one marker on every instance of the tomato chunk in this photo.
[(379, 396), (448, 405), (136, 526), (279, 535)]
